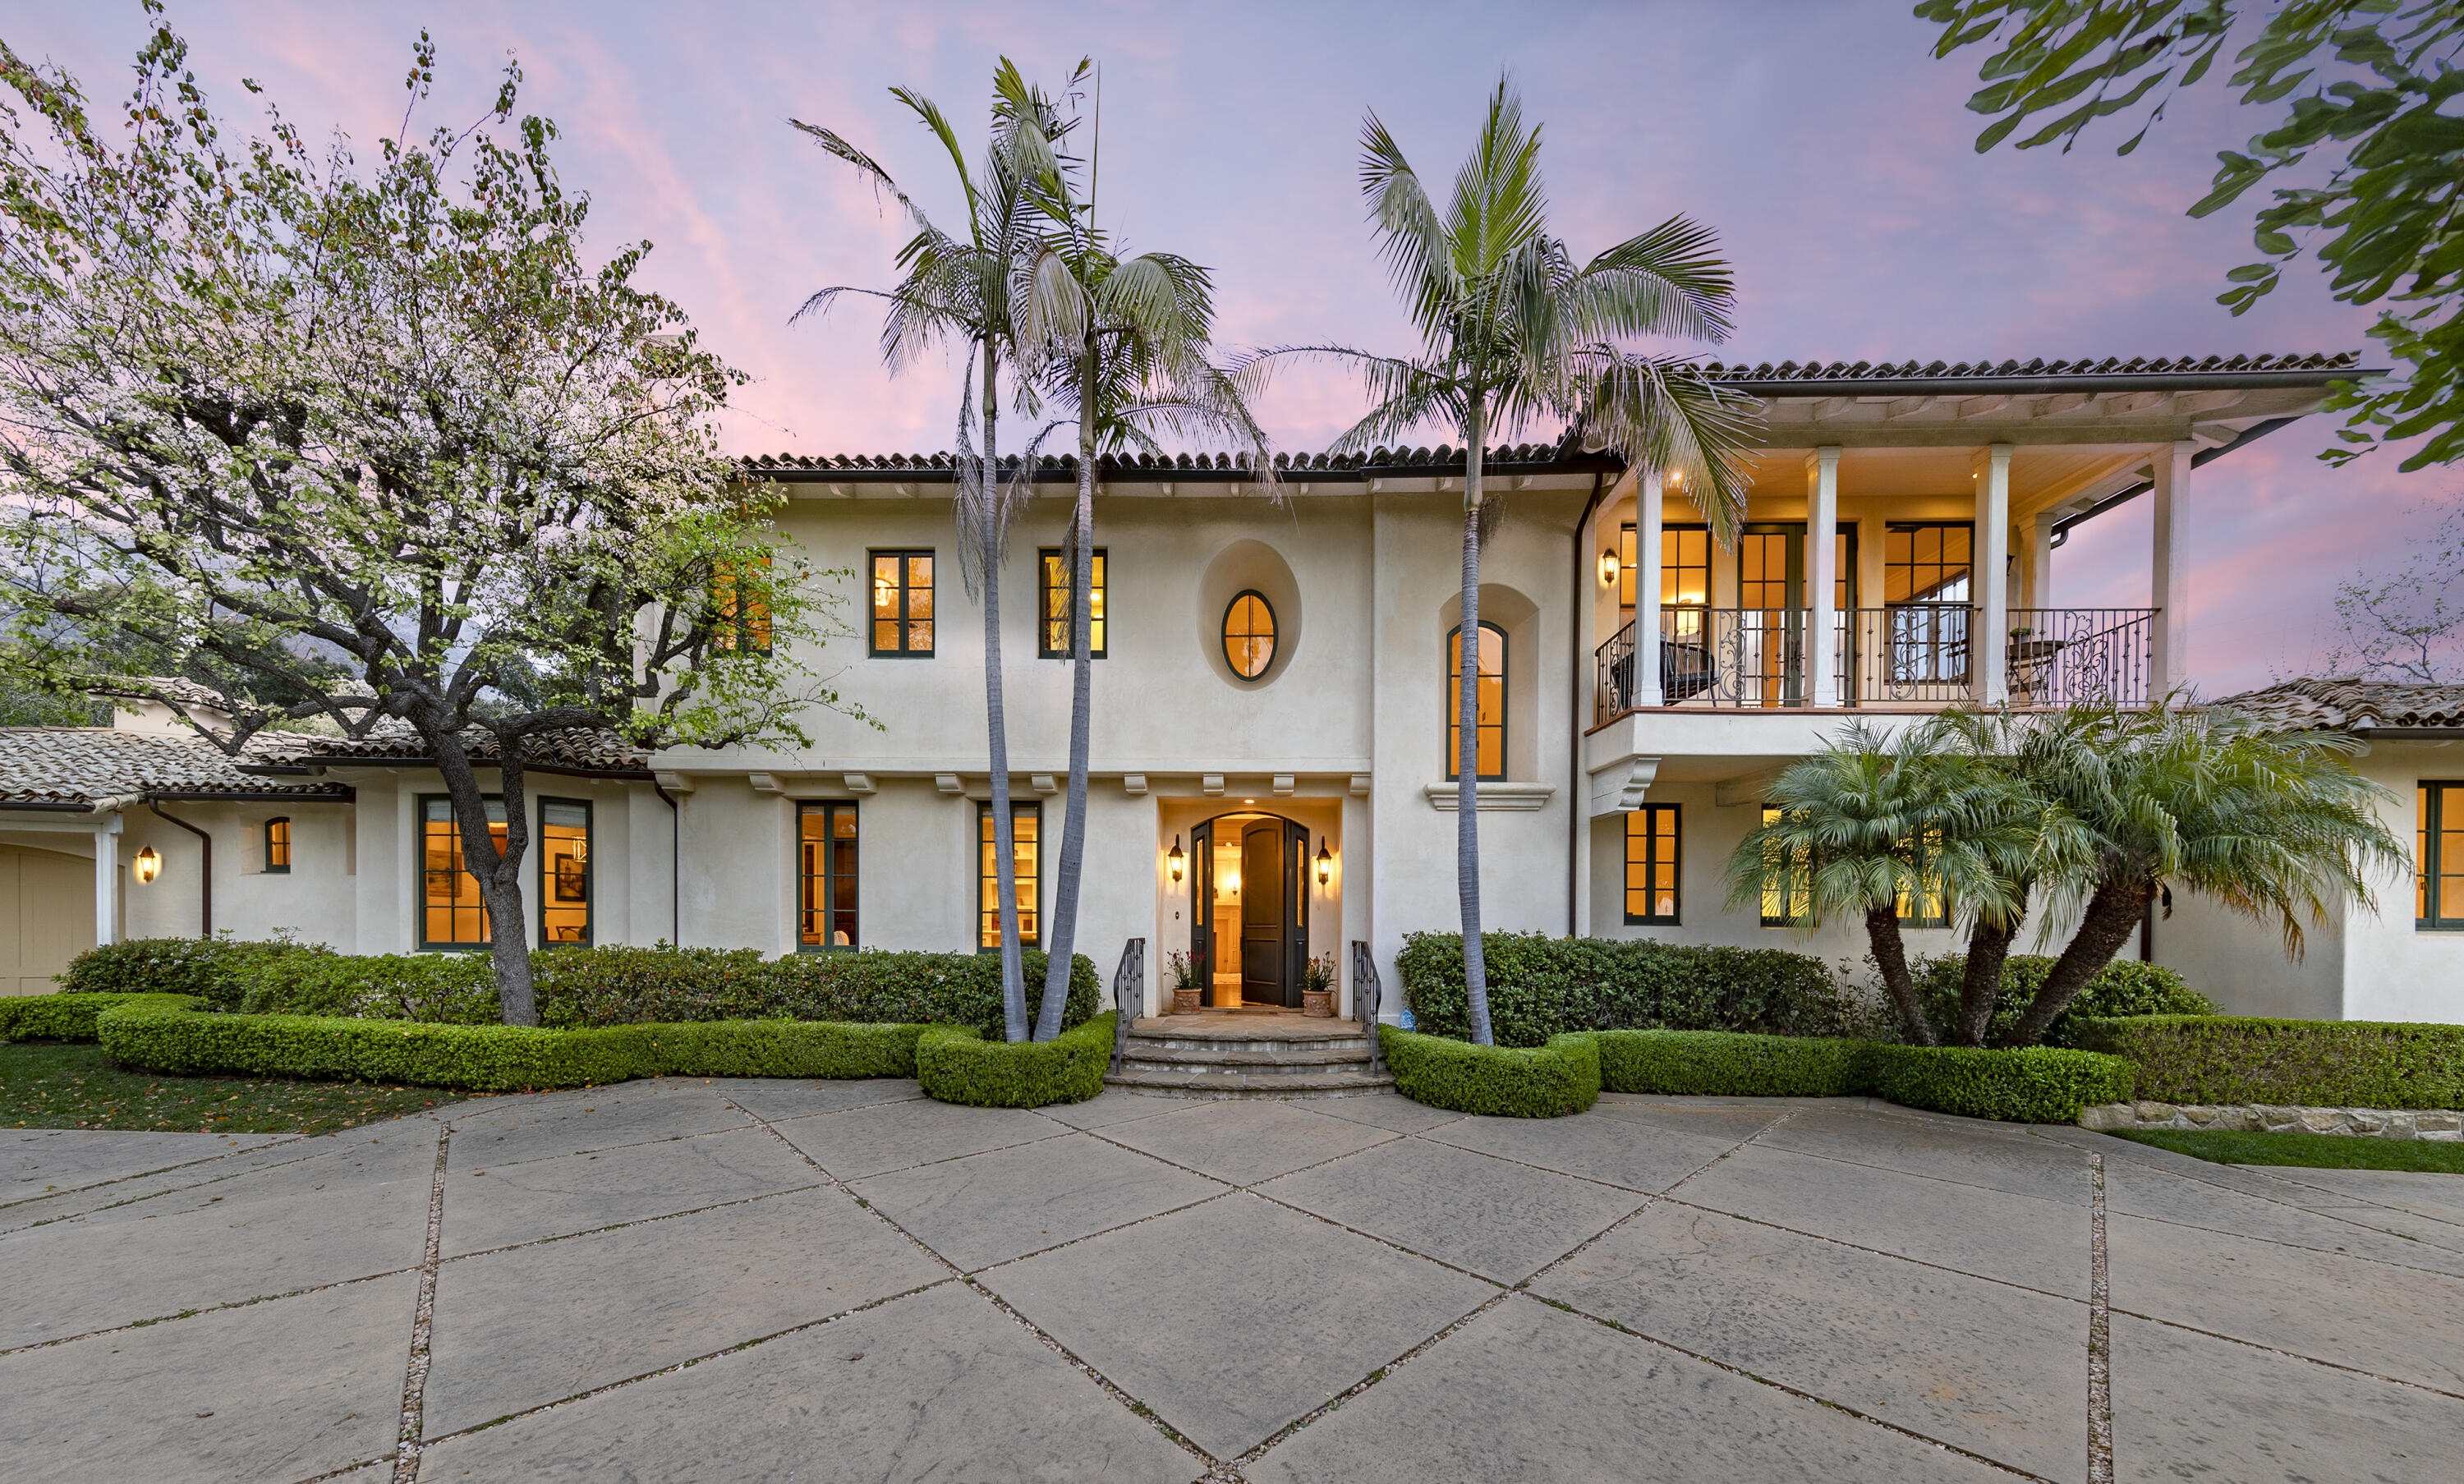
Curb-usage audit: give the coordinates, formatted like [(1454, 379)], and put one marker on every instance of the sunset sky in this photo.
[(1833, 154)]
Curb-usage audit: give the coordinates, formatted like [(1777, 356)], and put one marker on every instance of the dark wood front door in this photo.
[(1264, 914)]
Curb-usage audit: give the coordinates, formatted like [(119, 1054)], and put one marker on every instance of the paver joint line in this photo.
[(415, 1379), (146, 1174), (2100, 1341)]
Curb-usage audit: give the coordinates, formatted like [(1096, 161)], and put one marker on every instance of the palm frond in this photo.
[(1418, 257), (1668, 281)]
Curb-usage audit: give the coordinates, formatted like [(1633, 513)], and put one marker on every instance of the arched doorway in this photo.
[(1252, 925)]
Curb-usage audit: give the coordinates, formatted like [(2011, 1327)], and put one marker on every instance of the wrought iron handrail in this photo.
[(2059, 656), (1366, 992), (1129, 987)]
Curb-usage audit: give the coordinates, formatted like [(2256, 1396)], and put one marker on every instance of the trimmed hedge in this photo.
[(2320, 1063), (178, 1040), (1540, 987), (1560, 1077), (2034, 1084), (70, 1017), (957, 1064), (209, 968), (2125, 987), (1718, 1063)]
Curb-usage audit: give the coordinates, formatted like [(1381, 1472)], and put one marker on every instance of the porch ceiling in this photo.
[(2041, 477)]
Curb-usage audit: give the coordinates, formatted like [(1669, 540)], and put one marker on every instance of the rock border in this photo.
[(2446, 1124)]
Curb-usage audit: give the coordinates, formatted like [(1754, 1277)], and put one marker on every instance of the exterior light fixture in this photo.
[(1608, 566), (1173, 859), (149, 865), (1325, 863), (1677, 479)]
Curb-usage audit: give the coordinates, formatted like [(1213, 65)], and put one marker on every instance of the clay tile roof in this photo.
[(584, 749), (2161, 366), (84, 765), (2308, 705)]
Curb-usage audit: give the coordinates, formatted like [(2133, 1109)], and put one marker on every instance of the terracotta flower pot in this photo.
[(1185, 1001), (1317, 1002)]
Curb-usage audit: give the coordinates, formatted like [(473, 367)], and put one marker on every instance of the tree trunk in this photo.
[(1468, 752), (1980, 986), (1014, 1021), (1891, 956), (498, 873), (1061, 945), (2113, 914)]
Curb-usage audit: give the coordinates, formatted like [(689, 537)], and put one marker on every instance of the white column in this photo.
[(1648, 493), (1822, 574), (2170, 571), (1990, 581), (2040, 561), (106, 880)]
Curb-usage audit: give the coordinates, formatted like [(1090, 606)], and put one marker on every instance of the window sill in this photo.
[(1521, 798)]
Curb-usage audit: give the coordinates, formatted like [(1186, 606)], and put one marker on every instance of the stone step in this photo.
[(1223, 1046), (1264, 1058), (1331, 1083)]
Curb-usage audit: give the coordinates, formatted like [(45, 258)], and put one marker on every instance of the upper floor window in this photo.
[(1249, 635), (1927, 561), (1054, 640), (1786, 892), (1027, 829), (2438, 859), (1684, 567), (825, 876), (743, 610), (452, 915), (1489, 658), (277, 846), (565, 872), (902, 603), (1651, 860)]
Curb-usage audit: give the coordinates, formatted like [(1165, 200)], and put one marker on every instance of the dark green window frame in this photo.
[(420, 873), (906, 621), (818, 888), (1790, 890), (1454, 703), (1652, 865), (1030, 896), (1928, 906), (2441, 819), (556, 887), (1275, 636), (277, 845), (1054, 583)]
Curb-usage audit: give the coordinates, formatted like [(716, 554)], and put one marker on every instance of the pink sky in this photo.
[(1832, 153)]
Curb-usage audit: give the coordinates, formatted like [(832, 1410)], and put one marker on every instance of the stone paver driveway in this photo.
[(711, 1281)]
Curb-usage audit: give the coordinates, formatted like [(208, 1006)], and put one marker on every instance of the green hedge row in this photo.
[(1719, 1063), (149, 1034), (69, 1018), (1549, 1080), (2125, 987), (2320, 1063), (1540, 987), (2034, 1084), (957, 1064)]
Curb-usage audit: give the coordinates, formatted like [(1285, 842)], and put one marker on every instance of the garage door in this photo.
[(46, 916)]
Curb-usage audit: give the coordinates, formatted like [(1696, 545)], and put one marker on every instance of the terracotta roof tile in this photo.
[(2308, 705), (80, 765)]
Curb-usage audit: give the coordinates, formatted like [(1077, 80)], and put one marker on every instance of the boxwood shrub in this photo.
[(185, 1039), (1717, 1063), (1540, 987), (69, 1018), (2032, 1084), (208, 968), (957, 1064), (2125, 987), (2320, 1063), (1559, 1077)]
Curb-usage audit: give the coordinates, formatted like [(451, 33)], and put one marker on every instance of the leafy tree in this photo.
[(2372, 90), (264, 409), (958, 288), (1512, 329), (2406, 624)]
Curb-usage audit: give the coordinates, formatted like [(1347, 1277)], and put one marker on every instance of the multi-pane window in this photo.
[(902, 603), (277, 846), (564, 871), (825, 876), (1249, 635), (1684, 567), (1489, 661), (450, 912), (1927, 561), (1027, 820), (1924, 907), (739, 594), (2438, 859), (1651, 862), (1055, 643), (1787, 893)]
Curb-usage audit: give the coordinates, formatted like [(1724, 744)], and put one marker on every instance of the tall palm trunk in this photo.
[(1014, 1022), (1064, 917), (2113, 914), (1980, 986), (1891, 957), (1466, 660)]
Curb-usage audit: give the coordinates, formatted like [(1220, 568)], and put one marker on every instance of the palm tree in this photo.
[(2274, 825), (1865, 825), (1512, 329), (959, 288), (1120, 347)]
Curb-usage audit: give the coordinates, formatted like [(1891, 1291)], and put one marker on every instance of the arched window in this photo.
[(1490, 661), (277, 846), (1249, 634)]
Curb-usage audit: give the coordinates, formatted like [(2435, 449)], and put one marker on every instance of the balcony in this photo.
[(1911, 656)]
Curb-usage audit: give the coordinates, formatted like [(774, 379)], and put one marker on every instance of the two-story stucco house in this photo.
[(1270, 750)]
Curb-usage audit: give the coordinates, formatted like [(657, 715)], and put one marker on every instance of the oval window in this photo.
[(1249, 635)]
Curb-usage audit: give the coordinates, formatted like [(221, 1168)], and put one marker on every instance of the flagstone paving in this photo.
[(824, 1281)]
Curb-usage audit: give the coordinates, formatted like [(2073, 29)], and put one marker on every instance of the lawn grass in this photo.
[(61, 1085), (2315, 1152)]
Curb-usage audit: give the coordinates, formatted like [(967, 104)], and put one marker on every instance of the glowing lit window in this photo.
[(1786, 894), (743, 607), (1651, 862), (1027, 830), (564, 871), (277, 846), (1249, 635), (1491, 738), (450, 912), (826, 873), (2438, 855), (902, 603), (1054, 642)]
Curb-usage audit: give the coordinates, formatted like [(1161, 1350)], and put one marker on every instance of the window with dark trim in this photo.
[(740, 595), (277, 846), (1924, 907), (2438, 857), (1652, 856), (825, 877), (1926, 560), (1026, 833), (902, 604), (1053, 641), (1684, 566), (452, 915), (1489, 658), (1786, 894), (565, 872), (1249, 634)]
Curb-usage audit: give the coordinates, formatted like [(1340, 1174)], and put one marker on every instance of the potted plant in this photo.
[(1317, 986), (1188, 983)]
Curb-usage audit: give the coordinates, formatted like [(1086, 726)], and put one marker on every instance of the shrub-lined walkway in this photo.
[(842, 1282)]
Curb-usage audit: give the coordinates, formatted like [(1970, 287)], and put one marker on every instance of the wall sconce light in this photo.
[(1175, 860), (1676, 479), (149, 865), (1610, 566), (1325, 863)]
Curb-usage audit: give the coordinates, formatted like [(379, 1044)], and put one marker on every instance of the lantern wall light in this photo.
[(1175, 860), (149, 865), (1325, 863), (1610, 566)]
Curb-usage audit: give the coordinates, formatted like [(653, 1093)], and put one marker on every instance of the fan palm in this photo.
[(1118, 346), (958, 288), (1513, 329)]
